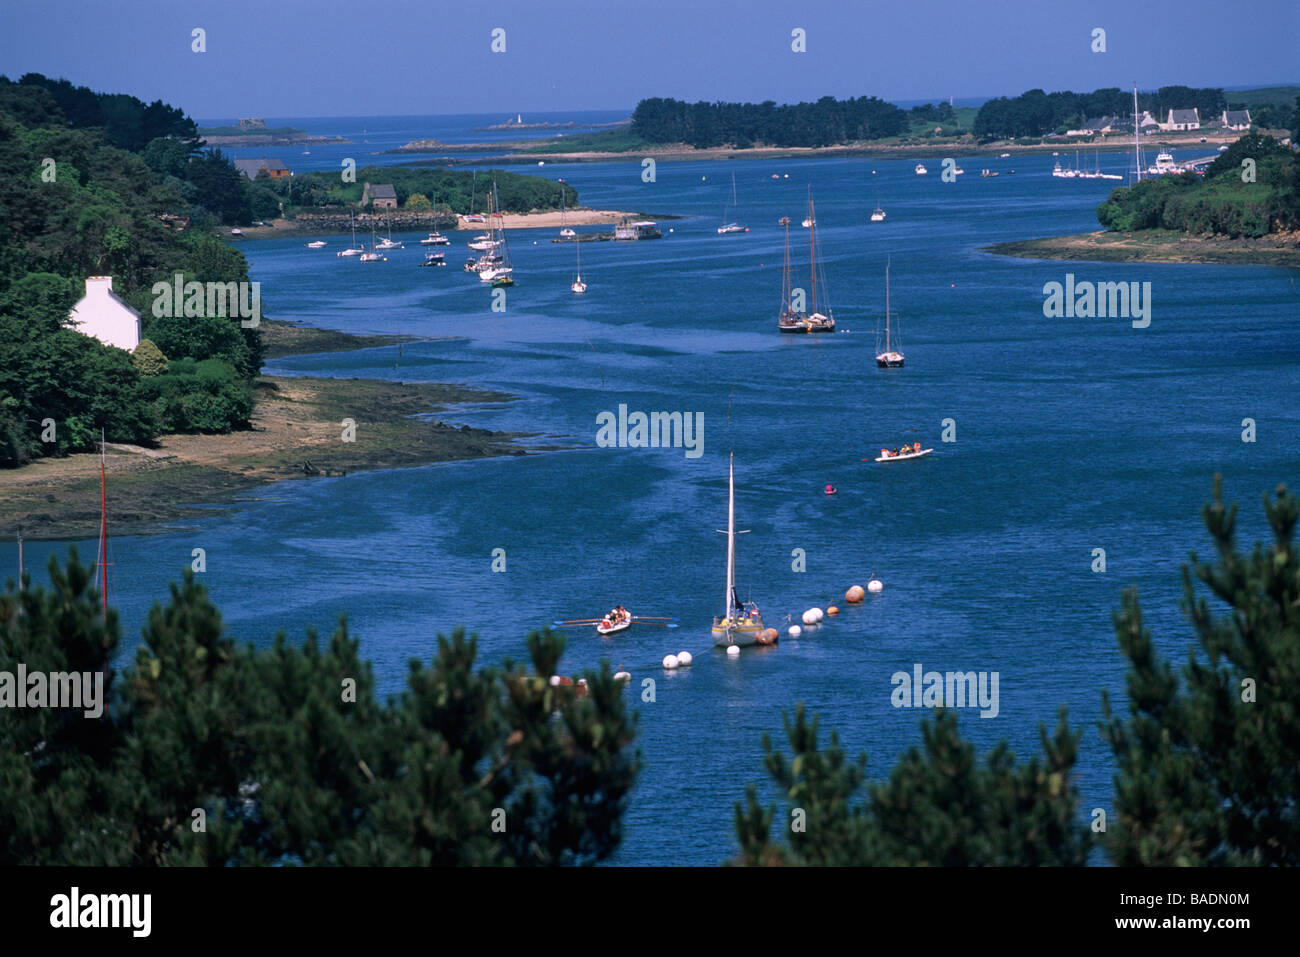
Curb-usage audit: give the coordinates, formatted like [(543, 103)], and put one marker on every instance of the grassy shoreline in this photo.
[(1157, 245), (930, 148), (296, 433)]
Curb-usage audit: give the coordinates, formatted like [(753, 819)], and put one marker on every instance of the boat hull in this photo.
[(613, 629), (900, 458), (745, 633), (884, 363)]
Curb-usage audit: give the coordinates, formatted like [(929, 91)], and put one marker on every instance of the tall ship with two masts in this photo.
[(791, 320)]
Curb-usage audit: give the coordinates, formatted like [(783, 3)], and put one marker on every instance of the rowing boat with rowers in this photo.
[(907, 452), (619, 619)]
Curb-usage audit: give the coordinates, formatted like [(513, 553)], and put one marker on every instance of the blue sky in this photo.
[(394, 57)]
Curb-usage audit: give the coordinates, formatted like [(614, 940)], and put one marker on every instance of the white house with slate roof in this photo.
[(1236, 119), (102, 315), (1182, 120)]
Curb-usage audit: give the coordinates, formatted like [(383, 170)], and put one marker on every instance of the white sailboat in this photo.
[(388, 243), (727, 228), (373, 256), (890, 358), (740, 623), (578, 285), (565, 231), (878, 214), (497, 269), (354, 249)]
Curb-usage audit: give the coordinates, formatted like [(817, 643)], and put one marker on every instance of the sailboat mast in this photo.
[(731, 533), (785, 273), (812, 248), (1137, 148), (887, 340)]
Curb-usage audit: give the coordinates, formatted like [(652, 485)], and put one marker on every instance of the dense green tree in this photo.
[(286, 756), (201, 337), (200, 396), (464, 191), (1209, 764), (937, 808), (126, 122), (168, 156), (55, 765), (1226, 201), (148, 359), (98, 209), (220, 187), (1036, 113), (826, 122)]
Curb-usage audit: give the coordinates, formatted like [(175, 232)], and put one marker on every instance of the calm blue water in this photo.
[(1072, 434), (372, 136)]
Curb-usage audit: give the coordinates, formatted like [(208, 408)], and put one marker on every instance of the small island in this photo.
[(1244, 210), (255, 132)]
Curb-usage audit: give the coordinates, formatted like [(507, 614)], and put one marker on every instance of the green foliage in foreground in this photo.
[(292, 758), (288, 753), (1208, 766), (1267, 201)]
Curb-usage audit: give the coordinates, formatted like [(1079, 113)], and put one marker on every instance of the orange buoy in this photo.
[(832, 610), (854, 595)]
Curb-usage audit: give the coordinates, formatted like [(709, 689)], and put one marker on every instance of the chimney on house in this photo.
[(98, 285)]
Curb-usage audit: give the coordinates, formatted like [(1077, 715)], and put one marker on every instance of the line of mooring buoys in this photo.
[(812, 617), (856, 593)]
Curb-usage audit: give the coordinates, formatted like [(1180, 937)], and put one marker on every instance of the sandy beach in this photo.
[(963, 146), (579, 216)]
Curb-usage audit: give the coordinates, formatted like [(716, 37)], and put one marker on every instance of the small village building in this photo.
[(379, 196), (1236, 119), (1182, 120), (103, 316), (251, 167)]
